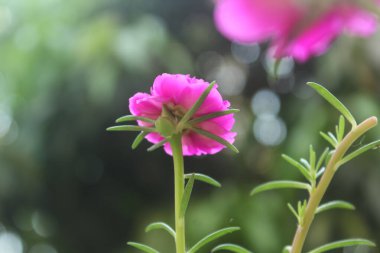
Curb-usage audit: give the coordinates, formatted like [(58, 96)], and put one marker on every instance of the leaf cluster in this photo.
[(313, 168)]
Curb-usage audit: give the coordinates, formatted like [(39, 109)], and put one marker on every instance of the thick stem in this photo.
[(318, 193), (179, 182)]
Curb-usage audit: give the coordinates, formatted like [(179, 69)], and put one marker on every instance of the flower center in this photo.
[(177, 111)]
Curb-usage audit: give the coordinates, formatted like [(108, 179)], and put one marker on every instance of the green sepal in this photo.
[(342, 244), (165, 126), (334, 102), (359, 151), (132, 118), (186, 196), (211, 237), (215, 138), (231, 247), (304, 171), (139, 138), (203, 178), (212, 115), (196, 105), (131, 128), (157, 145), (335, 204), (161, 225), (281, 184), (143, 247)]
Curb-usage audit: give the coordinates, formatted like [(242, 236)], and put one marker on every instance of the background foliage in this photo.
[(67, 70)]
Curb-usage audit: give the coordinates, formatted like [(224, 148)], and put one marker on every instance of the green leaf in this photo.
[(299, 166), (204, 178), (361, 150), (287, 249), (132, 117), (328, 139), (215, 138), (231, 247), (143, 247), (341, 244), (196, 105), (312, 158), (334, 102), (320, 172), (294, 212), (186, 196), (157, 145), (340, 132), (322, 158), (212, 115), (280, 185), (131, 128), (335, 204), (139, 138), (161, 225), (211, 237)]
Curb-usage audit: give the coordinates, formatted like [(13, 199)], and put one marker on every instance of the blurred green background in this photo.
[(67, 69)]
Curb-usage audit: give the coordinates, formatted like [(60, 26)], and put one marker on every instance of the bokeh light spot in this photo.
[(245, 53), (269, 130), (265, 102), (10, 243)]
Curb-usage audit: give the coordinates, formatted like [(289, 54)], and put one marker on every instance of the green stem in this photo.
[(179, 181), (317, 194)]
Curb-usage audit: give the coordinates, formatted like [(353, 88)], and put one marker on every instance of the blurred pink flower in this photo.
[(179, 93), (295, 29)]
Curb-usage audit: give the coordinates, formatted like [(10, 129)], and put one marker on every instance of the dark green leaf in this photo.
[(186, 196), (139, 138), (328, 139), (131, 128), (215, 138), (280, 185), (305, 172), (142, 247), (361, 150), (335, 204), (132, 117), (341, 244), (211, 237), (231, 247), (291, 208), (204, 178), (160, 225), (212, 115), (196, 105), (334, 102)]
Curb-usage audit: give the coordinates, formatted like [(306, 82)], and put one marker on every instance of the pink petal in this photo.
[(317, 37), (250, 21), (360, 22), (143, 104)]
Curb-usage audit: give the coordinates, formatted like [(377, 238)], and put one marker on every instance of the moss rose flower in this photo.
[(173, 95), (300, 29)]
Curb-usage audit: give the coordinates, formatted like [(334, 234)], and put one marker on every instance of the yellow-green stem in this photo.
[(179, 181), (317, 194)]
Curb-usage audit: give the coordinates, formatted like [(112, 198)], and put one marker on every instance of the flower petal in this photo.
[(250, 21)]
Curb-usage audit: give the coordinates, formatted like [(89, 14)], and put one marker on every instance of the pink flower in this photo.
[(295, 29), (178, 93)]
